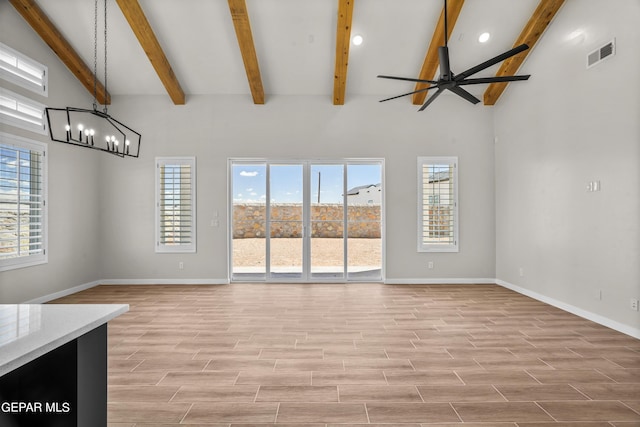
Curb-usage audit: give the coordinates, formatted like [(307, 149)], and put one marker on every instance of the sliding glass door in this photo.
[(285, 221), (326, 216), (364, 220), (306, 221)]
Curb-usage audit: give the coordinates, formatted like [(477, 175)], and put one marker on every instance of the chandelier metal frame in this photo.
[(92, 128)]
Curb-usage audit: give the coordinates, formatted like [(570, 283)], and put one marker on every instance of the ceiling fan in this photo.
[(453, 82)]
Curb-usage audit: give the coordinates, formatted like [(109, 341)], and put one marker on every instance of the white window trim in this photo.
[(15, 118), (31, 260), (182, 248), (424, 247), (14, 74)]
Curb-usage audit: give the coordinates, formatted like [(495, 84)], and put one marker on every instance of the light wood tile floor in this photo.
[(254, 355)]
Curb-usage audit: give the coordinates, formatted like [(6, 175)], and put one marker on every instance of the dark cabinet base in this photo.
[(66, 387)]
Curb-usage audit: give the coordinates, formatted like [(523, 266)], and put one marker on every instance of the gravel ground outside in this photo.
[(325, 252)]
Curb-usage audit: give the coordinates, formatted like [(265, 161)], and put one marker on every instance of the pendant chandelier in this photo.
[(93, 128)]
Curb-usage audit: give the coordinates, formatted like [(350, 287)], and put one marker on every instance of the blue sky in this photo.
[(249, 182)]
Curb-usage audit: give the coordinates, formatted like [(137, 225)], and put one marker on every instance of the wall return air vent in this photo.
[(602, 53)]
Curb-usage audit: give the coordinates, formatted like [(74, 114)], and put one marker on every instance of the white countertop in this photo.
[(27, 331)]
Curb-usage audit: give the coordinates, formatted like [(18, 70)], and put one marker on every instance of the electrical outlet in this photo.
[(634, 304), (181, 265), (430, 264)]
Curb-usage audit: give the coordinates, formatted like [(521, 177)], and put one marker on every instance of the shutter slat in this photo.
[(175, 205)]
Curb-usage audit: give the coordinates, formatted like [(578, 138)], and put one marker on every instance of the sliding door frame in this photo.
[(306, 275)]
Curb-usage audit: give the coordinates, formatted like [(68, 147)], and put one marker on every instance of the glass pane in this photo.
[(438, 201), (175, 204), (249, 221), (327, 221), (21, 204), (364, 221), (286, 220)]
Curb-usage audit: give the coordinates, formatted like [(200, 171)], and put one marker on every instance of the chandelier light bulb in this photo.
[(67, 127), (80, 127)]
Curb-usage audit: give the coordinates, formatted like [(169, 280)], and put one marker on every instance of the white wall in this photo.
[(565, 127), (101, 208), (73, 181), (215, 128)]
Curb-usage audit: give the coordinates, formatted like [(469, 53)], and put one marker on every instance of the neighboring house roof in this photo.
[(356, 190), (439, 176)]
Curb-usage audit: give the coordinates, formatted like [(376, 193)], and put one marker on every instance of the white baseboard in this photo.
[(605, 321), (64, 293), (164, 282), (447, 281), (85, 286)]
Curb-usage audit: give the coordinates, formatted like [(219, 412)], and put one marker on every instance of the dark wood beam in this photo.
[(142, 29), (431, 61), (242, 25), (530, 35), (343, 40), (42, 25)]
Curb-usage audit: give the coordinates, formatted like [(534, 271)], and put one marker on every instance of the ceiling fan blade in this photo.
[(508, 54), (408, 79), (409, 93), (494, 80), (431, 99), (445, 67), (463, 93)]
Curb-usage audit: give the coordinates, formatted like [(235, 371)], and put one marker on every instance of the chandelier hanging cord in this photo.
[(105, 54), (95, 55)]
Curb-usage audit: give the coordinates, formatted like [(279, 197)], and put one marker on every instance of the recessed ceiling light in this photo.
[(357, 40), (484, 37), (577, 35)]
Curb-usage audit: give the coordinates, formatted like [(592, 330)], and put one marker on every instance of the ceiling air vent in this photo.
[(601, 53)]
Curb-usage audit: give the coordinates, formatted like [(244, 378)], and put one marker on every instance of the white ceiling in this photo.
[(295, 43)]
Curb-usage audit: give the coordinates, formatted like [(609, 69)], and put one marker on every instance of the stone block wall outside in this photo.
[(286, 221)]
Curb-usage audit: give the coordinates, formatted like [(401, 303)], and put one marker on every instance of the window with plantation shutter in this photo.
[(25, 113), (21, 70), (176, 204), (438, 204), (22, 202)]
